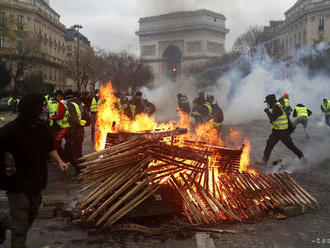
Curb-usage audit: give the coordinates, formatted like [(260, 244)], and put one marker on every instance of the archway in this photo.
[(172, 60)]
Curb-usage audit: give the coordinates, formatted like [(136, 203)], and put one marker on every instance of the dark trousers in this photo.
[(93, 123), (24, 208), (327, 120), (74, 144), (283, 136)]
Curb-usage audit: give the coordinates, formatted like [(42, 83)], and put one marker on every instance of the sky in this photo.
[(111, 24)]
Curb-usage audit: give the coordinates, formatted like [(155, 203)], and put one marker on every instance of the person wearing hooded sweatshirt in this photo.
[(301, 113), (25, 145), (280, 128)]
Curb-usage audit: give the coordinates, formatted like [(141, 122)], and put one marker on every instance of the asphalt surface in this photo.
[(309, 230)]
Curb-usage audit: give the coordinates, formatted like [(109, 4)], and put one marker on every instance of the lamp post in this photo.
[(77, 27)]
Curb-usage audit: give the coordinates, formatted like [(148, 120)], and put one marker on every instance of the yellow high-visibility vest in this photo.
[(286, 103), (9, 101), (209, 107), (326, 109), (64, 122), (120, 106), (301, 111), (282, 122), (52, 111), (78, 111), (95, 105), (133, 110)]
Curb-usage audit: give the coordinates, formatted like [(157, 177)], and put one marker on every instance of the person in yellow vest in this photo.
[(301, 113), (325, 107), (280, 129), (285, 102), (122, 104), (135, 106), (52, 107), (62, 120), (76, 133), (16, 101), (95, 104), (213, 112)]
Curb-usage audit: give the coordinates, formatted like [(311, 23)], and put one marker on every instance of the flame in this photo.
[(110, 120), (245, 158)]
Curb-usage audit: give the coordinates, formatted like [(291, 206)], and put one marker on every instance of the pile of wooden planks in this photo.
[(119, 178)]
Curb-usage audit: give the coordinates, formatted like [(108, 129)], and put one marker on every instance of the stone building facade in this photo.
[(172, 42), (75, 41), (306, 24), (31, 28)]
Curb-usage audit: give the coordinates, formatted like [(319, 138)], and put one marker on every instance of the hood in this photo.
[(270, 99)]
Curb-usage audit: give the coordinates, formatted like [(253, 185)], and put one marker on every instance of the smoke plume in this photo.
[(241, 95)]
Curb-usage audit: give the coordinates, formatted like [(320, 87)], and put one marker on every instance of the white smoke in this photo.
[(242, 97), (164, 96)]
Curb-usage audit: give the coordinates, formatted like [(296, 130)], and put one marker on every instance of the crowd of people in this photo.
[(44, 122), (279, 114), (203, 109)]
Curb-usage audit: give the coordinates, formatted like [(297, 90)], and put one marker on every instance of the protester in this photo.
[(25, 145)]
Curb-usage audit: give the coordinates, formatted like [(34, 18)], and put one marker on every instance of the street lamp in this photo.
[(77, 27)]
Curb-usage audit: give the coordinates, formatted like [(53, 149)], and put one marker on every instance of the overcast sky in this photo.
[(111, 24)]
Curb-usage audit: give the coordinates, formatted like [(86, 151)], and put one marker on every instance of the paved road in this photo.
[(301, 231)]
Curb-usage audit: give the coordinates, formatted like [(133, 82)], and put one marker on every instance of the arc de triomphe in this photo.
[(171, 42)]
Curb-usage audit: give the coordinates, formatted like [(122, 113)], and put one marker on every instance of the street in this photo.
[(309, 230)]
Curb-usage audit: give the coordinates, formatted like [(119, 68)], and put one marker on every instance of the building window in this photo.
[(2, 42), (20, 22), (321, 23), (20, 45), (20, 19), (2, 18)]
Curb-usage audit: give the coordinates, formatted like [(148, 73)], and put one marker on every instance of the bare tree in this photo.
[(253, 37), (126, 71), (81, 69)]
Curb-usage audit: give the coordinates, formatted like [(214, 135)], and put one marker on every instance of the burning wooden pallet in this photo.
[(121, 177)]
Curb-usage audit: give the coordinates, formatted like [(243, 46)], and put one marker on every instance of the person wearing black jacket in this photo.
[(301, 113), (25, 145), (183, 103), (280, 128), (135, 106), (76, 132)]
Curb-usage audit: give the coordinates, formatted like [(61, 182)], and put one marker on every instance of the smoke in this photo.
[(242, 94), (164, 96)]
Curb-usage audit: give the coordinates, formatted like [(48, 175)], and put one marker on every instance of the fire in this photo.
[(245, 159), (110, 120)]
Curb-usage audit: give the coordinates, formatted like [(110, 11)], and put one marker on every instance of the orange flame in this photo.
[(109, 119)]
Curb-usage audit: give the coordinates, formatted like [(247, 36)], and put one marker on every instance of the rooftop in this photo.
[(181, 14), (72, 33)]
